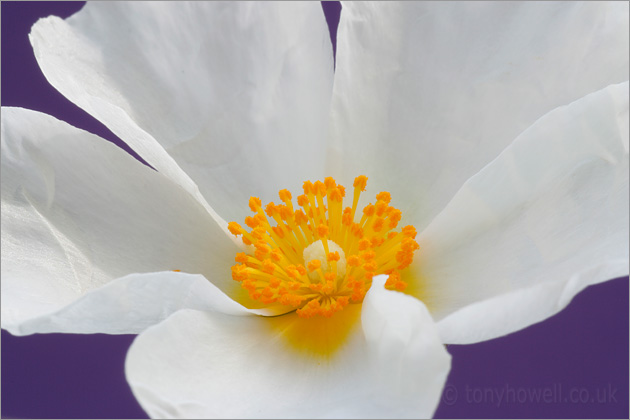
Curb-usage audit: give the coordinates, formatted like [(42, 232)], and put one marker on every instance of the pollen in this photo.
[(317, 257)]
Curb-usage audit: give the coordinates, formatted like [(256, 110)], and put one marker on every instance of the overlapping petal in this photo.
[(130, 304), (78, 212), (545, 219), (229, 97), (427, 93), (213, 365)]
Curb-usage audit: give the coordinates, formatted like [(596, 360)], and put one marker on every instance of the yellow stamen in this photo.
[(317, 259)]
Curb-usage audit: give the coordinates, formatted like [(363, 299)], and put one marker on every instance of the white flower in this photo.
[(501, 131)]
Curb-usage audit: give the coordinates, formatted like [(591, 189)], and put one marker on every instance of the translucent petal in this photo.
[(78, 212), (130, 304), (545, 219), (226, 96)]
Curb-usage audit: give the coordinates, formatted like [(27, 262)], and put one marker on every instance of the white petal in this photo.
[(131, 304), (427, 93), (206, 365), (545, 219), (77, 212), (515, 310), (406, 356), (237, 93)]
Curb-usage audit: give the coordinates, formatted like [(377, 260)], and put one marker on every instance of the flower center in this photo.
[(317, 259), (316, 251)]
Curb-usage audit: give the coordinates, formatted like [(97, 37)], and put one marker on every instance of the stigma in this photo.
[(317, 257)]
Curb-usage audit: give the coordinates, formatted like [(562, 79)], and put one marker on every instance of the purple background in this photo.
[(572, 365)]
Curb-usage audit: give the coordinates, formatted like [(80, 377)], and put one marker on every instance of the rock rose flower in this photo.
[(484, 152)]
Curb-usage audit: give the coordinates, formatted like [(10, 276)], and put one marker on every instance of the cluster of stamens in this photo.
[(317, 259)]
